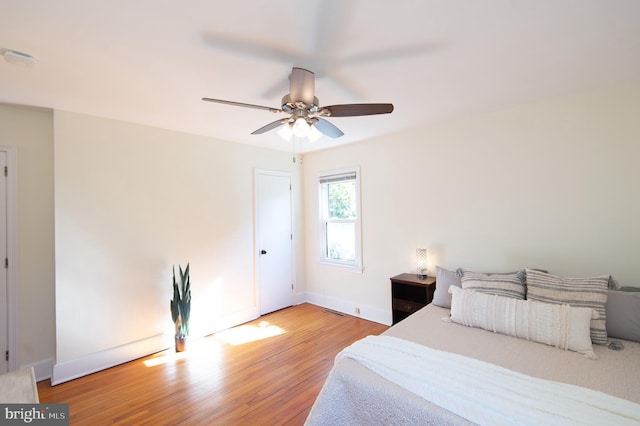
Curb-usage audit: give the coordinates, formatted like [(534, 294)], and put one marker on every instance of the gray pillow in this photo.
[(623, 314), (444, 279)]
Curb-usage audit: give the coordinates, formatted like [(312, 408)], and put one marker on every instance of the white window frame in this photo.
[(356, 264)]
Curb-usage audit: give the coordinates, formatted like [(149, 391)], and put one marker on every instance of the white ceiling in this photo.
[(151, 61)]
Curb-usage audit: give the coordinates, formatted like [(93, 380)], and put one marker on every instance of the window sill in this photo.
[(356, 269)]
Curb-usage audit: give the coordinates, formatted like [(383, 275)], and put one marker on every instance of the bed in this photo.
[(486, 377)]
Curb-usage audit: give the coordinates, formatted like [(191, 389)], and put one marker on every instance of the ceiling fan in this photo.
[(305, 115)]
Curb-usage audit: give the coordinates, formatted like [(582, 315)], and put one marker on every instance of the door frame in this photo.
[(12, 253), (256, 233)]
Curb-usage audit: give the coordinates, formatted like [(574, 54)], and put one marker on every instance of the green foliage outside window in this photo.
[(342, 200)]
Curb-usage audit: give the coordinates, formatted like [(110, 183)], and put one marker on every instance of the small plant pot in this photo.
[(181, 344)]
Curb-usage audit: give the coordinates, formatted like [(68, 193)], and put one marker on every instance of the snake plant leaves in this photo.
[(181, 303)]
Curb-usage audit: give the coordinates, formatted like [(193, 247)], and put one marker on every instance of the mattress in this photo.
[(354, 394)]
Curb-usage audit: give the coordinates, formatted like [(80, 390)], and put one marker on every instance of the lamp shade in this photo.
[(421, 262)]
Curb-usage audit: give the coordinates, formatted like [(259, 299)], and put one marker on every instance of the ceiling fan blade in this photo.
[(269, 126), (240, 104), (397, 52), (302, 86), (325, 127), (252, 49), (351, 110)]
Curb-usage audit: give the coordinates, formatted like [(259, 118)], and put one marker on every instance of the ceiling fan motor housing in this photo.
[(301, 110)]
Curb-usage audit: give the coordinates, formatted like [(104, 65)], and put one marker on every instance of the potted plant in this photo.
[(181, 306)]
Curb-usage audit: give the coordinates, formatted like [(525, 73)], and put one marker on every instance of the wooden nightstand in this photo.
[(410, 293)]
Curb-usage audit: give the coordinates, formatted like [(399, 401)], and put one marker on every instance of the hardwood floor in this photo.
[(219, 379)]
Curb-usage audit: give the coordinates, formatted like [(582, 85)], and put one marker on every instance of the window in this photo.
[(340, 217)]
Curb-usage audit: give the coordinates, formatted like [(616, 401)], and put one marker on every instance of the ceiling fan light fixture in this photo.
[(285, 132), (300, 128), (314, 134)]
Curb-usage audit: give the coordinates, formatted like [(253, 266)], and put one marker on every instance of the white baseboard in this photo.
[(301, 298), (42, 369), (82, 366), (69, 370), (347, 307)]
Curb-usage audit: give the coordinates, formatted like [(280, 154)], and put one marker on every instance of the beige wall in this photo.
[(551, 185), (30, 130), (130, 202)]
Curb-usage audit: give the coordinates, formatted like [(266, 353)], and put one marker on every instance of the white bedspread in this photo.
[(459, 384)]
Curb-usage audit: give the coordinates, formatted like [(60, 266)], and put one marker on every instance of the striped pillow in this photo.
[(579, 292), (506, 285)]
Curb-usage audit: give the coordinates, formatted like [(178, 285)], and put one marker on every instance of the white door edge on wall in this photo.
[(11, 265)]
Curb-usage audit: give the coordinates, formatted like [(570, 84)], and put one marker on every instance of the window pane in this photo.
[(342, 200), (341, 241)]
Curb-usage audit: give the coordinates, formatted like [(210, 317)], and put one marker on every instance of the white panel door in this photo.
[(4, 328), (274, 241)]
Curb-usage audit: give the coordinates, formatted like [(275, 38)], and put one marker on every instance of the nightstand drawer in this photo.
[(406, 305)]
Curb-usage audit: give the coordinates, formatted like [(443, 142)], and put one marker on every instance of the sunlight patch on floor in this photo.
[(250, 333), (164, 359), (209, 349), (196, 348)]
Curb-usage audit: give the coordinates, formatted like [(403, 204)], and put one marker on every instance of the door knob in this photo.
[(263, 252)]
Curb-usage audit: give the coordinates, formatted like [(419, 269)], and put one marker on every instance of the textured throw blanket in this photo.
[(484, 393)]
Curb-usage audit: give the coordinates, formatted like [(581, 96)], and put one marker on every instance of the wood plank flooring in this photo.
[(219, 379)]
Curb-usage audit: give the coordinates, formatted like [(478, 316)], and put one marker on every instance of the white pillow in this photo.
[(562, 326)]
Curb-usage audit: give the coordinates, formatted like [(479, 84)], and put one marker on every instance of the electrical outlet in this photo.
[(357, 311)]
